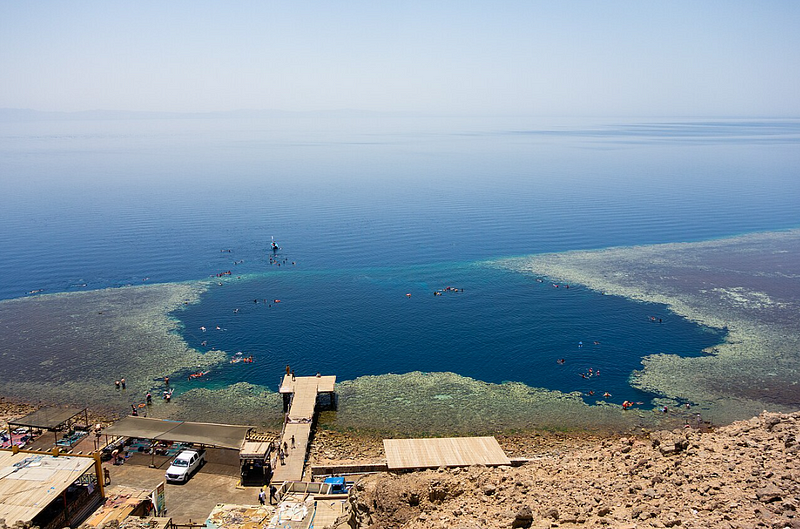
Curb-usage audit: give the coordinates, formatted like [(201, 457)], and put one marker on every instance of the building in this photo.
[(47, 489)]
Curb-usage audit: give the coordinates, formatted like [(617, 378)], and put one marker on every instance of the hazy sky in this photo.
[(662, 58)]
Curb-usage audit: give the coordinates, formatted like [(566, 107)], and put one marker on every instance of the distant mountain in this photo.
[(18, 114)]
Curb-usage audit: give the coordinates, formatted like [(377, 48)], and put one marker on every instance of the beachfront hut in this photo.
[(48, 490), (123, 502)]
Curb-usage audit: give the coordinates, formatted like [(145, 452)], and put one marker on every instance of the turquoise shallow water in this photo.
[(373, 209)]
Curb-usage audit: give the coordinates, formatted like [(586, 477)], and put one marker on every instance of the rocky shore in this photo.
[(744, 475)]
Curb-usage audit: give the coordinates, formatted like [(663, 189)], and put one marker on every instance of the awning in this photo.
[(141, 427), (223, 435), (220, 435), (47, 418)]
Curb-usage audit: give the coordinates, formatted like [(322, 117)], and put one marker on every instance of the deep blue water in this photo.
[(503, 326), (373, 208)]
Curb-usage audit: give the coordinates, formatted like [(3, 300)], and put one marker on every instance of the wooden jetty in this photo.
[(300, 397), (405, 454)]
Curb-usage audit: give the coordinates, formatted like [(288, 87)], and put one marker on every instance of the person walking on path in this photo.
[(272, 496), (262, 496), (292, 440)]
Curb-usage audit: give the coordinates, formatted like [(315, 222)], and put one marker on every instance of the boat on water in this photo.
[(274, 246)]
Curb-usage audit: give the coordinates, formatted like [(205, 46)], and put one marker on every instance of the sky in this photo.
[(556, 58)]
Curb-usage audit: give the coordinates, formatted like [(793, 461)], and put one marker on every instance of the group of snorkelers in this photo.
[(447, 289), (239, 357)]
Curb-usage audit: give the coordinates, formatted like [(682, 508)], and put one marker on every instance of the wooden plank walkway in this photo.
[(443, 452), (327, 511), (301, 416)]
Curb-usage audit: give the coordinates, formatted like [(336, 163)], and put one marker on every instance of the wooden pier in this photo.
[(300, 396)]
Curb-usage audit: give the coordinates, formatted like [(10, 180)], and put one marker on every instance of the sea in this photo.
[(387, 225)]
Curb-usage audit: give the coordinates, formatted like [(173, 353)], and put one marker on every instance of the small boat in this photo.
[(274, 246)]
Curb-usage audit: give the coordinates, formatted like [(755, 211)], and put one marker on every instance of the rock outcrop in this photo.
[(745, 475)]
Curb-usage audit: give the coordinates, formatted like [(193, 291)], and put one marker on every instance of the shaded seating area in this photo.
[(63, 422), (203, 433), (154, 442)]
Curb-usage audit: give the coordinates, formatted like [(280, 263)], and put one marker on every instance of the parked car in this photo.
[(185, 464)]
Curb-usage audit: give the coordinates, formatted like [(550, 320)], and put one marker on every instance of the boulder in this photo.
[(523, 518)]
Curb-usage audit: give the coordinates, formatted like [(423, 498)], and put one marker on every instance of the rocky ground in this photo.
[(744, 475)]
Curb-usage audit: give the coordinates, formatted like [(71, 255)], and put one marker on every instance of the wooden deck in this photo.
[(327, 511), (444, 452), (301, 416)]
